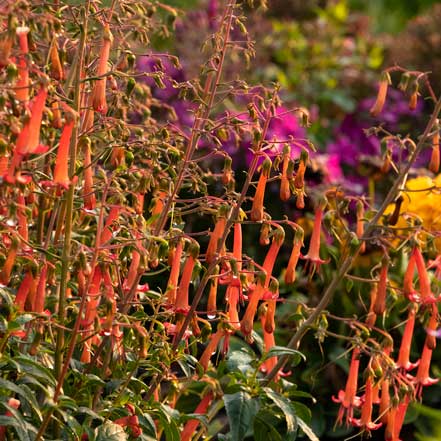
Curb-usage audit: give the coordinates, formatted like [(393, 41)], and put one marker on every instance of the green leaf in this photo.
[(301, 411), (307, 430), (110, 432), (24, 392), (241, 409), (265, 424), (285, 406), (240, 360), (277, 351)]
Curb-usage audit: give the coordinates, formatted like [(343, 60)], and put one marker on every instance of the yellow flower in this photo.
[(422, 199)]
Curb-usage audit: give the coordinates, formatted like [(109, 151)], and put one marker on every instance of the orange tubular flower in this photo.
[(270, 324), (173, 279), (313, 255), (22, 219), (246, 324), (217, 234), (61, 172), (348, 398), (290, 274), (23, 290), (425, 291), (380, 300), (299, 180), (422, 377), (408, 289), (5, 274), (396, 420), (269, 342), (366, 410), (181, 304), (257, 207), (270, 258), (212, 294), (88, 191), (99, 102), (431, 328), (285, 192), (191, 425), (22, 86), (435, 156), (40, 297), (237, 245), (107, 232), (406, 342), (360, 224), (28, 141), (215, 338), (232, 297), (381, 96), (57, 71)]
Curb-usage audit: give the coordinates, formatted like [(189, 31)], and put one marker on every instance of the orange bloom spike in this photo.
[(61, 172), (290, 274), (257, 207), (99, 102)]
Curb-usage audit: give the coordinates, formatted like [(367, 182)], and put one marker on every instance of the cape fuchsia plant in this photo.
[(121, 313)]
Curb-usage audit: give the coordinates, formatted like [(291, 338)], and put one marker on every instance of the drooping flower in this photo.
[(348, 398), (365, 421), (403, 361), (382, 92), (257, 208)]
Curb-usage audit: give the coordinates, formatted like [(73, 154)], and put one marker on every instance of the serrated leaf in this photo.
[(285, 406), (110, 432), (307, 430), (241, 409)]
